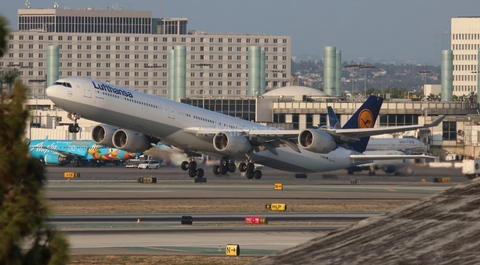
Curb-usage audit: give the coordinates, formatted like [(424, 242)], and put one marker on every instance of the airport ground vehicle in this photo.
[(149, 164), (133, 163), (471, 168)]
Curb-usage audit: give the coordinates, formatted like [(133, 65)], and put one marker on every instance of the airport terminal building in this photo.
[(129, 48)]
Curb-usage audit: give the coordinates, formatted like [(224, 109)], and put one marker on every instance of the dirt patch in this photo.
[(219, 206), (167, 260)]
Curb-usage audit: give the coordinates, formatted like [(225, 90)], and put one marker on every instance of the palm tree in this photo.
[(4, 32), (9, 79)]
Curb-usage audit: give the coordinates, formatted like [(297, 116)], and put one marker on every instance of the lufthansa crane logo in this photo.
[(365, 119)]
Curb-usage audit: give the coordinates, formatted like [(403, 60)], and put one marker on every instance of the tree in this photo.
[(26, 237), (4, 32), (9, 78)]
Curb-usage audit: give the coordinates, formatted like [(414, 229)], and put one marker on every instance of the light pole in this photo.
[(408, 93), (424, 73), (203, 98), (365, 67), (350, 68)]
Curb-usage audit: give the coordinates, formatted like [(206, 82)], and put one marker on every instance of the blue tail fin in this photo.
[(332, 118), (365, 117)]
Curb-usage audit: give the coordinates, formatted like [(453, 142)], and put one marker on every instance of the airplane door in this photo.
[(171, 111), (87, 90)]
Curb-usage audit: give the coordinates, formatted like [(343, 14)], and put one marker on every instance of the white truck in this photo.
[(471, 168)]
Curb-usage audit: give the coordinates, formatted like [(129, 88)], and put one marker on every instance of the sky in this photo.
[(364, 30)]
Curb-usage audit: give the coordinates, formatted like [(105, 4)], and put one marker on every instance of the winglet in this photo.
[(436, 122)]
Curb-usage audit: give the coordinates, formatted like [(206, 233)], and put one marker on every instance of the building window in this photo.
[(449, 131), (295, 121)]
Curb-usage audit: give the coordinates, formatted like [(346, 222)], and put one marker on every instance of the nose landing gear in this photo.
[(74, 128)]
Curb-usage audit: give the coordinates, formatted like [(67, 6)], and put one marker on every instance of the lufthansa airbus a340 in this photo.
[(131, 119)]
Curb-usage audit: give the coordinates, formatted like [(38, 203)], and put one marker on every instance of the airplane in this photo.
[(78, 152), (384, 146), (131, 118), (408, 145), (396, 166)]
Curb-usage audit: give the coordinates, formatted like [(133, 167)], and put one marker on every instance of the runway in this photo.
[(163, 233), (140, 233)]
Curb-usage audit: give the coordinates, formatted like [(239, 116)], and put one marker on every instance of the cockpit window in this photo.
[(63, 84)]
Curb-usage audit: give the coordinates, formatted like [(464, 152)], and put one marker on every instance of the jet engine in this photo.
[(55, 159), (390, 169), (102, 134), (131, 141), (316, 141), (231, 143)]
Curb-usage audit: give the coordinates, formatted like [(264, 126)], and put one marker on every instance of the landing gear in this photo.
[(250, 172), (224, 167), (193, 171), (74, 128), (371, 171)]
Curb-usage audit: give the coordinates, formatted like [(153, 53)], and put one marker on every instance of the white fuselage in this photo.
[(401, 144), (166, 119)]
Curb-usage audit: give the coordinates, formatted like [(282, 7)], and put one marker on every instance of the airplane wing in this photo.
[(274, 133), (364, 132), (340, 135), (362, 159)]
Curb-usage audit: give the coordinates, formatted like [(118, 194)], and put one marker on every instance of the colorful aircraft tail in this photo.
[(365, 117)]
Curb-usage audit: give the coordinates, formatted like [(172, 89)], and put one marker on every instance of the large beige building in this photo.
[(465, 43), (122, 47)]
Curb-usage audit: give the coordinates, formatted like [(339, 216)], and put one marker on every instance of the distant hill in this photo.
[(382, 76)]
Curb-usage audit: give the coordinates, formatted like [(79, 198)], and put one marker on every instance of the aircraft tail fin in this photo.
[(332, 118), (364, 117)]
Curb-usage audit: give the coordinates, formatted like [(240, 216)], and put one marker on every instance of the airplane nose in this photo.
[(52, 91)]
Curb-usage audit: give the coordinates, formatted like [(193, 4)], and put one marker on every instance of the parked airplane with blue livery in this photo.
[(383, 146), (78, 152), (130, 118)]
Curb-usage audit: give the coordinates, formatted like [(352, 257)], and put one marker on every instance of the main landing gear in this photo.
[(249, 169), (74, 128), (193, 171), (224, 167)]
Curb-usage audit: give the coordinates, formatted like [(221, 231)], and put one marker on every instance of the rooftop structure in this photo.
[(88, 20), (129, 48)]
